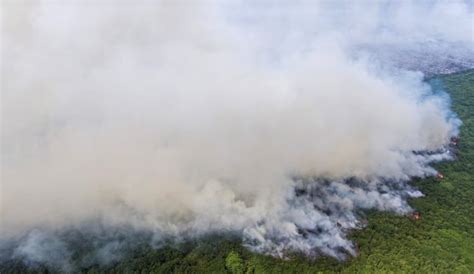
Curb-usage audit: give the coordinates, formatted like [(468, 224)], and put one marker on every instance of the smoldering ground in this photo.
[(175, 119)]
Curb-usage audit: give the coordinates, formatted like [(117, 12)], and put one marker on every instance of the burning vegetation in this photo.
[(416, 216)]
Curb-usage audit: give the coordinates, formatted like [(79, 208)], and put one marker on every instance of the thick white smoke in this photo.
[(183, 118)]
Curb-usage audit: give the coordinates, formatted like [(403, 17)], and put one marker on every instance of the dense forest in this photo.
[(441, 241)]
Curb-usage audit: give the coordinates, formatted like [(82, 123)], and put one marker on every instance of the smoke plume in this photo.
[(275, 121)]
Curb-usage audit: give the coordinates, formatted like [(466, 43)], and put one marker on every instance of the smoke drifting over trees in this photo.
[(277, 122)]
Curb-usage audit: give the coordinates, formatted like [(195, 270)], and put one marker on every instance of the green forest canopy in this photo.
[(442, 241)]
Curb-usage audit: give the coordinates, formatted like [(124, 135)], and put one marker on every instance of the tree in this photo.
[(234, 263)]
